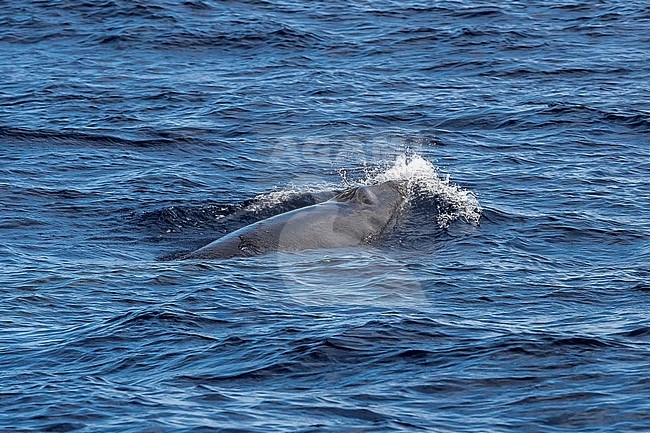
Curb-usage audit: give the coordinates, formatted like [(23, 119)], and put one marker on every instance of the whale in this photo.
[(357, 216)]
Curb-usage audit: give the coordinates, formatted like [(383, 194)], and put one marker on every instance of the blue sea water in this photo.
[(513, 296)]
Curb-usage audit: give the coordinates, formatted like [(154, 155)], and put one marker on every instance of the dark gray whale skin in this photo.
[(355, 217)]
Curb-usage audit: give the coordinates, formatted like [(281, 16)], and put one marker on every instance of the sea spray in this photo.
[(424, 179)]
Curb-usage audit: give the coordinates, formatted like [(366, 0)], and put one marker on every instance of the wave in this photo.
[(258, 34), (365, 350), (137, 24), (13, 134)]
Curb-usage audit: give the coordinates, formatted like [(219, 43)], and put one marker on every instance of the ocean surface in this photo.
[(513, 296)]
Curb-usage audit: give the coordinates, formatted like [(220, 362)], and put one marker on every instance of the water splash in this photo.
[(421, 177)]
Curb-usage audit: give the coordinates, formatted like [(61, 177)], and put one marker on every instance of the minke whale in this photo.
[(358, 216)]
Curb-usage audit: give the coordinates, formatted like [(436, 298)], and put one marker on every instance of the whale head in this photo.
[(373, 209)]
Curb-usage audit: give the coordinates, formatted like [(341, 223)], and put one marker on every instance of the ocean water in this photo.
[(513, 295)]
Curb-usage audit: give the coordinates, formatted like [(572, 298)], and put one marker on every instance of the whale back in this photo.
[(355, 217)]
